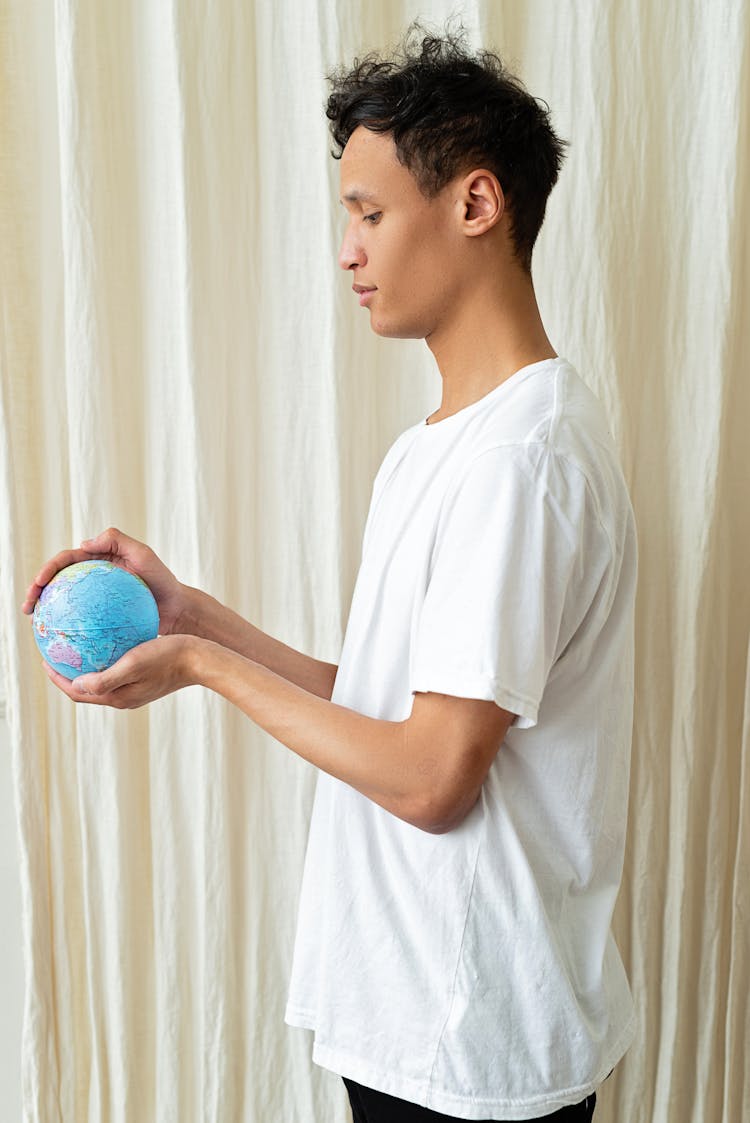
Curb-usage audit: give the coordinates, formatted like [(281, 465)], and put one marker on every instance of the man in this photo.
[(454, 954)]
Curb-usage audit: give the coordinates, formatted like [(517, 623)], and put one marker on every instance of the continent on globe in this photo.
[(90, 614), (62, 652)]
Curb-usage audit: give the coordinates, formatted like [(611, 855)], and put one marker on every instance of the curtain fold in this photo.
[(181, 356)]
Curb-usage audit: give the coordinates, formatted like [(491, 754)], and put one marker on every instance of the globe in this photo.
[(90, 614)]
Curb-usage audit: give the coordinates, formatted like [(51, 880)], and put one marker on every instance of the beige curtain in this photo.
[(182, 357)]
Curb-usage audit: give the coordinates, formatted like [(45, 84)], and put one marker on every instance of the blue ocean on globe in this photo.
[(90, 614)]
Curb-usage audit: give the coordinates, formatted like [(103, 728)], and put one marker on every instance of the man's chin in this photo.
[(389, 330)]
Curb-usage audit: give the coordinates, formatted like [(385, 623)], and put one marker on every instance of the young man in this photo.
[(454, 954)]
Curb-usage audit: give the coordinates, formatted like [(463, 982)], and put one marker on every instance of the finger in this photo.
[(68, 686), (121, 549), (95, 684), (48, 571), (109, 543), (79, 691), (120, 673)]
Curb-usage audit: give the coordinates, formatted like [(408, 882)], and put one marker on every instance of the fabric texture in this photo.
[(474, 972), (181, 356)]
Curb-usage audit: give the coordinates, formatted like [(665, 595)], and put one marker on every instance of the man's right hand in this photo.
[(114, 546)]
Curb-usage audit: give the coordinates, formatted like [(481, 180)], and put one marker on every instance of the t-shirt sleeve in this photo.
[(508, 541)]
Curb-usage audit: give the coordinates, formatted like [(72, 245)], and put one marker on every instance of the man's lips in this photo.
[(364, 292)]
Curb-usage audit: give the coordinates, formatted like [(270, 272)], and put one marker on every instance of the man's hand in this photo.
[(130, 554), (146, 672)]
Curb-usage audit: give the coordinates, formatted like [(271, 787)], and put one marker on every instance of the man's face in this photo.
[(406, 247)]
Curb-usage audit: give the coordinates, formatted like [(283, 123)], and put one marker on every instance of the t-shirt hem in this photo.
[(299, 1017), (473, 1108)]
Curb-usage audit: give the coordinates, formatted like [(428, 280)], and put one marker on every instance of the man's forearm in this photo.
[(370, 754), (207, 617)]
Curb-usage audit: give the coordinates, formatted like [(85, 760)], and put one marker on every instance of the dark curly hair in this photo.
[(450, 111)]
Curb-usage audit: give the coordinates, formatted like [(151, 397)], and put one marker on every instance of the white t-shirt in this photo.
[(474, 972)]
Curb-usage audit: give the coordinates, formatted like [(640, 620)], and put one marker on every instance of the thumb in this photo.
[(104, 543), (96, 682), (86, 684)]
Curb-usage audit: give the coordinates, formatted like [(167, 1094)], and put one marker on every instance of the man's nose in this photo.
[(351, 254)]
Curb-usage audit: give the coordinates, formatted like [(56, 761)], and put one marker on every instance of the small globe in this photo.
[(90, 614)]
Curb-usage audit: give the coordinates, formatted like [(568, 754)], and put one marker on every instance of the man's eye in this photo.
[(371, 217)]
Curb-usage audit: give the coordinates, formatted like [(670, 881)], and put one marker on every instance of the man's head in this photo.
[(450, 146)]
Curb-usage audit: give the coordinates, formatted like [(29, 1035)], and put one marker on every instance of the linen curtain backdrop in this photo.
[(182, 357)]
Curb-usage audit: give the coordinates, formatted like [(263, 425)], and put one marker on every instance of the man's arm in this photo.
[(203, 615), (427, 770)]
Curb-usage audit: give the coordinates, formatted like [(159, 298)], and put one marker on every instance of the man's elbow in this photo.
[(442, 816)]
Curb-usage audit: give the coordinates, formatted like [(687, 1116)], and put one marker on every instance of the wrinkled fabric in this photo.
[(181, 356)]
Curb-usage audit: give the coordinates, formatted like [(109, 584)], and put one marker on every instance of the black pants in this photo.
[(369, 1106)]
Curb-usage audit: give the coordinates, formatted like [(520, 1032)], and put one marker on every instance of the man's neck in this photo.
[(491, 336)]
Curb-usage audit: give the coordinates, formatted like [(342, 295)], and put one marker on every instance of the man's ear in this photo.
[(483, 201)]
